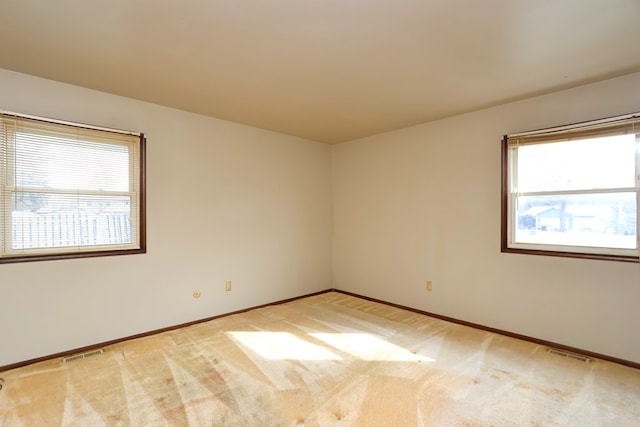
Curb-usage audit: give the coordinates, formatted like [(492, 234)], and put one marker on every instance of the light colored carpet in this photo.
[(327, 360)]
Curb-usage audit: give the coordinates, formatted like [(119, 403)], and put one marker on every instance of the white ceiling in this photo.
[(326, 70)]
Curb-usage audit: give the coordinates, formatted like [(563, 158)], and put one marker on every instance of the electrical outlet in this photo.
[(429, 286), (227, 285)]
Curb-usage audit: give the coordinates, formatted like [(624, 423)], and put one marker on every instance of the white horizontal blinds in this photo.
[(68, 187), (5, 178), (628, 124)]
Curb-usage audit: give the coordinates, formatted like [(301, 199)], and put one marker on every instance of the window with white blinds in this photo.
[(69, 190), (573, 190)]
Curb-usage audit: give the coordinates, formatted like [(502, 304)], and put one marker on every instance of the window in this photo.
[(573, 190), (69, 190)]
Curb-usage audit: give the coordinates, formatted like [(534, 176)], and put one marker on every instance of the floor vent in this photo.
[(569, 355), (82, 355)]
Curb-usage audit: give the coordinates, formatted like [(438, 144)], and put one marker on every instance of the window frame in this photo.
[(508, 217), (138, 225)]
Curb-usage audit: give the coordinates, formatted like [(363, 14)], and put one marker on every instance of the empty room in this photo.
[(319, 213)]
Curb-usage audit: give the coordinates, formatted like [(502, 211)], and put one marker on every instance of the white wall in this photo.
[(225, 202), (231, 202), (423, 203)]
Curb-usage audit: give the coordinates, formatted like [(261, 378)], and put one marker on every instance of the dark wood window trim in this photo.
[(504, 219), (141, 228)]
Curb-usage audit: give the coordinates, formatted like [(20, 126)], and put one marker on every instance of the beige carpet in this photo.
[(327, 360)]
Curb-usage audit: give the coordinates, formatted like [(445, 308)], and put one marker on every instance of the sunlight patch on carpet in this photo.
[(286, 346), (369, 347), (282, 346)]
